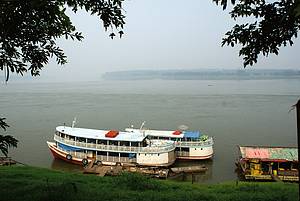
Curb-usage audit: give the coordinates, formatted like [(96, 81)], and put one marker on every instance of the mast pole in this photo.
[(298, 136)]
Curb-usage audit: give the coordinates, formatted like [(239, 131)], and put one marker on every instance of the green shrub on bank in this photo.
[(30, 183)]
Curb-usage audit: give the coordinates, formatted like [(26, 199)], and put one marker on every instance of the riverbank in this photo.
[(30, 183)]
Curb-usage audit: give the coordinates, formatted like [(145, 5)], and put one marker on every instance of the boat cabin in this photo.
[(111, 146), (269, 163), (189, 144), (175, 135)]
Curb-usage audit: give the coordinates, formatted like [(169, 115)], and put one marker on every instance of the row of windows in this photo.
[(172, 138), (101, 142)]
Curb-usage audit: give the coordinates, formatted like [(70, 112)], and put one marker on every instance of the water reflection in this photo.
[(58, 164), (199, 177)]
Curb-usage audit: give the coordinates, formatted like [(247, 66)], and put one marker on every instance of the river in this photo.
[(234, 112)]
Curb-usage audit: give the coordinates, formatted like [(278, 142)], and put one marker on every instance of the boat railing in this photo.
[(103, 147), (208, 142), (182, 153), (104, 158)]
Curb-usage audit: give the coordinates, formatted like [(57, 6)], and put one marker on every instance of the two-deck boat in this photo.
[(109, 147), (189, 144)]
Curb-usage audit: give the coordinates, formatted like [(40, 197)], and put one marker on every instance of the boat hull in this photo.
[(169, 159), (194, 157), (59, 154)]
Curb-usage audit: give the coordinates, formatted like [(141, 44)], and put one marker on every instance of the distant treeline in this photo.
[(202, 74)]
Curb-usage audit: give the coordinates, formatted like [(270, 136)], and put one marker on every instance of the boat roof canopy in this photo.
[(101, 134), (167, 133), (191, 134), (159, 133), (269, 153)]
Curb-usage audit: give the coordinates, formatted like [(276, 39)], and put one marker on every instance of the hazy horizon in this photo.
[(158, 35)]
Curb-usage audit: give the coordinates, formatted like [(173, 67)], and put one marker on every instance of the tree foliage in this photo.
[(6, 141), (272, 24), (29, 29)]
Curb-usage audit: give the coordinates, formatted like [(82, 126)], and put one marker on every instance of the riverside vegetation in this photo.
[(31, 183)]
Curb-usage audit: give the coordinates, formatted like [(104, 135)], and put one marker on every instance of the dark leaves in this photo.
[(3, 124), (29, 29), (112, 35), (6, 141), (275, 25), (121, 33)]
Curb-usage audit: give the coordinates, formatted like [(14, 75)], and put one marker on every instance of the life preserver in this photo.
[(69, 157), (85, 161)]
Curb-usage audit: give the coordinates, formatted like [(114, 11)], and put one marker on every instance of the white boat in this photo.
[(189, 144), (109, 147)]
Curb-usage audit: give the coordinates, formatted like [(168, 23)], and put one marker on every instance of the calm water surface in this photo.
[(252, 112)]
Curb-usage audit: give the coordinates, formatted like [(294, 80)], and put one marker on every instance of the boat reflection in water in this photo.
[(61, 165), (195, 177)]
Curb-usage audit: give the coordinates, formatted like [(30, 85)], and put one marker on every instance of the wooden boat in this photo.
[(109, 147), (269, 163), (189, 144)]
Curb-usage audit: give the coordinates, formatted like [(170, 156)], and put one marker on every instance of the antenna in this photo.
[(74, 122), (142, 125)]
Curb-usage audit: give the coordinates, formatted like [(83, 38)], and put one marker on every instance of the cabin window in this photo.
[(284, 166), (115, 143), (113, 154), (201, 148), (93, 141), (124, 155), (185, 149), (80, 139), (294, 166), (124, 143), (102, 142), (134, 144), (101, 153), (72, 138)]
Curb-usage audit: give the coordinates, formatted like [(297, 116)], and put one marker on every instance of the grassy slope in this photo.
[(30, 183)]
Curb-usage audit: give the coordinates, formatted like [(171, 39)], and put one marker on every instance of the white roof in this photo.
[(100, 134), (159, 133)]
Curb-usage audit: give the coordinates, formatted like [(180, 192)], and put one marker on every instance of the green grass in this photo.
[(38, 184)]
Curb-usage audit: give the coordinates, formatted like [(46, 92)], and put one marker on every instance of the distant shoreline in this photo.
[(251, 74)]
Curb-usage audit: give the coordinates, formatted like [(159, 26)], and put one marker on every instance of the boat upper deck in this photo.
[(166, 133), (269, 153), (101, 134)]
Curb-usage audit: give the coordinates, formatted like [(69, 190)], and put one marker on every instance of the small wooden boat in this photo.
[(269, 163)]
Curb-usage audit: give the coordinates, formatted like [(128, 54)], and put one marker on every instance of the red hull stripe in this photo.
[(61, 155)]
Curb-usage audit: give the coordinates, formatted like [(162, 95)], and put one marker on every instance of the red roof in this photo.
[(112, 134), (177, 132)]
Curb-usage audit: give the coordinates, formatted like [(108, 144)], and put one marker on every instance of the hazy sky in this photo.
[(169, 34)]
